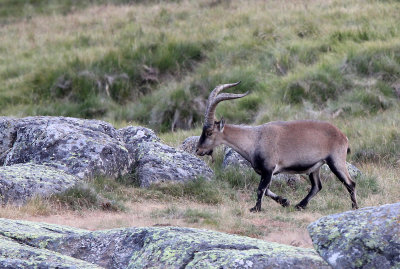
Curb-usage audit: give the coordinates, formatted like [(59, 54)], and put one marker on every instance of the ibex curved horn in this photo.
[(215, 98)]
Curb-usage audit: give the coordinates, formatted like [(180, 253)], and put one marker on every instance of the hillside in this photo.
[(156, 63)]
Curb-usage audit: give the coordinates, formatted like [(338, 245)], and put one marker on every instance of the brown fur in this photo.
[(301, 146)]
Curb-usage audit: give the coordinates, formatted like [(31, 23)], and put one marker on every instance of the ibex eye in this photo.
[(209, 134)]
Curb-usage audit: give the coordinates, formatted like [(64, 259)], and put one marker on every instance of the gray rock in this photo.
[(157, 247), (365, 238), (133, 135), (21, 182), (7, 137), (83, 148), (156, 162), (86, 148), (234, 159), (15, 255), (190, 144)]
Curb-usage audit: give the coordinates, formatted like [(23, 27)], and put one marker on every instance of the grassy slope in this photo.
[(331, 60)]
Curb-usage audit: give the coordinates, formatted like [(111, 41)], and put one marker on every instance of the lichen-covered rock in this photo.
[(109, 249), (190, 144), (21, 182), (23, 245), (192, 248), (83, 148), (87, 148), (156, 162), (15, 255), (158, 247), (365, 238), (234, 159), (7, 137), (134, 135)]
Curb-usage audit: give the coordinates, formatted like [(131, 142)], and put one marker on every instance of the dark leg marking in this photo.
[(279, 199), (316, 186), (340, 171), (262, 188)]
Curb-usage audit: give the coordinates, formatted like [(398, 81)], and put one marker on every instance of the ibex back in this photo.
[(296, 147)]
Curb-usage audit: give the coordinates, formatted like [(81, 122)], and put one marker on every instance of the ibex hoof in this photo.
[(300, 207), (255, 209), (285, 202)]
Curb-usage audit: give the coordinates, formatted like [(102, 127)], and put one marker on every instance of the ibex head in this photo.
[(212, 129)]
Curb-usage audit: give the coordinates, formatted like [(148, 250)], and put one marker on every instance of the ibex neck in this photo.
[(240, 138)]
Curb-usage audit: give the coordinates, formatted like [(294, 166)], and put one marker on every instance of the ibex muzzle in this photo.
[(297, 147)]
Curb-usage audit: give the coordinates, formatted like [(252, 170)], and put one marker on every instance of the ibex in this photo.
[(295, 147)]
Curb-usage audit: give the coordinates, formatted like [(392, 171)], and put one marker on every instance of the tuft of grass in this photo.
[(78, 198), (189, 215), (325, 83), (237, 178), (99, 193), (384, 149), (37, 206), (199, 190), (171, 212), (245, 228), (201, 216)]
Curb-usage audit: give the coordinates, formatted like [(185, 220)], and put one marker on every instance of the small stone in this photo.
[(190, 144)]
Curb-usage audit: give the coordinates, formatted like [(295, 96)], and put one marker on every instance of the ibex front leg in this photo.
[(262, 188)]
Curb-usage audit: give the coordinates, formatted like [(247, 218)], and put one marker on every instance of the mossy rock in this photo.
[(155, 247), (16, 255), (365, 238), (156, 162), (84, 148), (22, 182)]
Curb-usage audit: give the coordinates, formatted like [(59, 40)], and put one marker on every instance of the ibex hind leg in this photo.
[(340, 170), (316, 186)]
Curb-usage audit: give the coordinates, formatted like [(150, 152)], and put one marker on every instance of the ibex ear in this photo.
[(221, 125)]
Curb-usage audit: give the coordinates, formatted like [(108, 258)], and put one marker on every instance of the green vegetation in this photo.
[(154, 63), (117, 62), (99, 193)]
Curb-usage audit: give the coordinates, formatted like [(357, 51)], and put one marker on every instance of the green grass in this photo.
[(98, 193), (193, 216), (200, 190), (333, 60)]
